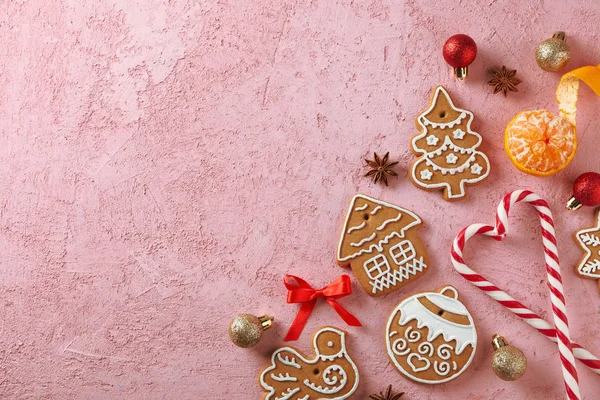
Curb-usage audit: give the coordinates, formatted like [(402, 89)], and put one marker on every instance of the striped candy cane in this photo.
[(558, 333)]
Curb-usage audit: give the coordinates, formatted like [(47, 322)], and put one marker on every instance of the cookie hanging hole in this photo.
[(366, 216), (443, 114), (316, 371), (440, 313)]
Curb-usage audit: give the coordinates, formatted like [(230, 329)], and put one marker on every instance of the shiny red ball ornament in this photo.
[(586, 191), (459, 52)]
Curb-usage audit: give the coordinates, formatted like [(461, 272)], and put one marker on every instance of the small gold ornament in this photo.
[(508, 362), (246, 330), (553, 54)]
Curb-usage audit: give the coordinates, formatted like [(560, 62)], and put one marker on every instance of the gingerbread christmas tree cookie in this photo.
[(379, 241), (589, 240), (449, 159)]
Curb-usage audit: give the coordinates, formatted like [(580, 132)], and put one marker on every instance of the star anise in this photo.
[(504, 80), (381, 168), (387, 396)]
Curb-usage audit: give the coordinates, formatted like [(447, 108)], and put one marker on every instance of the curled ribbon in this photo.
[(299, 291)]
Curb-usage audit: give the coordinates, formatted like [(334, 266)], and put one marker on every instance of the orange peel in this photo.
[(541, 143)]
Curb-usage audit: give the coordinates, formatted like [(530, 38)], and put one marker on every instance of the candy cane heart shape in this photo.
[(557, 332)]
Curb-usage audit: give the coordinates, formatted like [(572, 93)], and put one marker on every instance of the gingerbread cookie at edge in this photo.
[(380, 243), (447, 148), (431, 337), (329, 374), (589, 240)]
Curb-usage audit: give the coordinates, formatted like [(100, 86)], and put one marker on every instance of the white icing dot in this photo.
[(432, 140), (451, 158), (330, 343), (459, 134), (476, 169), (426, 175)]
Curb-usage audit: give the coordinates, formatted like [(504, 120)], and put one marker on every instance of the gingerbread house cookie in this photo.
[(380, 243)]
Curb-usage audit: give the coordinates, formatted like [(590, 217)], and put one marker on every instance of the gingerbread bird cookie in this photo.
[(330, 374)]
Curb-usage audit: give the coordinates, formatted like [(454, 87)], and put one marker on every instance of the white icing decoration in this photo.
[(442, 369), (444, 351), (284, 378), (375, 210), (420, 359), (426, 174), (357, 227), (412, 309), (330, 344), (361, 208), (375, 246), (288, 362), (590, 265), (442, 125), (333, 381), (288, 394), (389, 221), (339, 383), (398, 275), (424, 122), (459, 134), (412, 336), (448, 304), (426, 348), (367, 239), (476, 169), (400, 347), (451, 158), (432, 140)]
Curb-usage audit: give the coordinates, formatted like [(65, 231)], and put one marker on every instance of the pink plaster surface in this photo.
[(165, 163)]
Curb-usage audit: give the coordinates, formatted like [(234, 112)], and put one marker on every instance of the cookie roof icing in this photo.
[(370, 224)]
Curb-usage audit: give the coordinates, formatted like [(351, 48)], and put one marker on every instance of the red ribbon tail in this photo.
[(346, 316), (300, 321)]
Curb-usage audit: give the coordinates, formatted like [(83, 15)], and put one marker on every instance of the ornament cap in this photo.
[(461, 73), (560, 36), (573, 204), (266, 321), (498, 341)]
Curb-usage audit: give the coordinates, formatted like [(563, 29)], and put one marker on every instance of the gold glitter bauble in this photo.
[(246, 330), (508, 362), (553, 54)]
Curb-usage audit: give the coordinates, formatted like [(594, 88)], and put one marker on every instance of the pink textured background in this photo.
[(164, 163)]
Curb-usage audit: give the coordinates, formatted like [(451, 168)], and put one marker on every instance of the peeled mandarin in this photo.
[(539, 142)]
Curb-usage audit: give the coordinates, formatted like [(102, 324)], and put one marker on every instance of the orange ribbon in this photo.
[(301, 292)]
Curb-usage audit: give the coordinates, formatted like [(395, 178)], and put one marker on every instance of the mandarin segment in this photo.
[(540, 143)]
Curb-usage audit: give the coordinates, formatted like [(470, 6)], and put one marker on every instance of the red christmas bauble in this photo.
[(586, 189), (460, 51)]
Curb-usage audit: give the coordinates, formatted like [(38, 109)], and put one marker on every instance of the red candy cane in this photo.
[(559, 333)]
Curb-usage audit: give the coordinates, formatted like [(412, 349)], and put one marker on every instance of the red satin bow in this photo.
[(302, 292)]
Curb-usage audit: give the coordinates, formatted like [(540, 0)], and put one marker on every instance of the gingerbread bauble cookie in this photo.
[(431, 337), (447, 147), (329, 374), (379, 241), (589, 240)]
